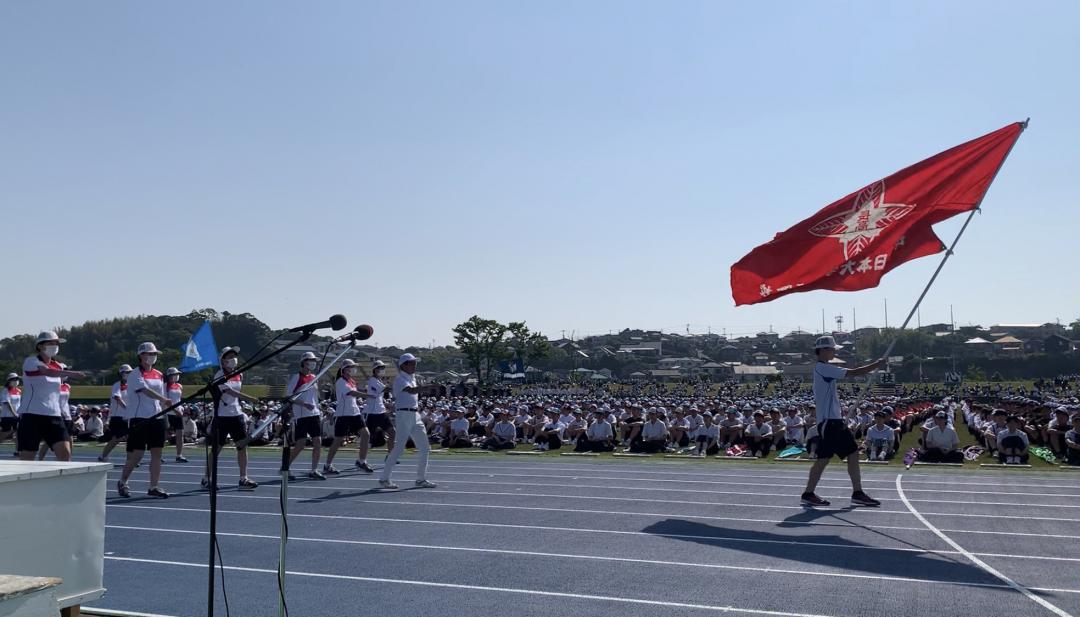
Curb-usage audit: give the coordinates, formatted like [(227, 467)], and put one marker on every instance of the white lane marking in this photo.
[(861, 547), (531, 592), (982, 564), (395, 520), (358, 477), (109, 612), (310, 500)]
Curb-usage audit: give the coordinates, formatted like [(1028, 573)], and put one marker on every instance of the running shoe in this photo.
[(316, 475), (181, 459), (425, 484), (247, 485), (157, 492), (123, 490), (364, 467), (810, 499), (860, 498), (387, 484), (330, 470)]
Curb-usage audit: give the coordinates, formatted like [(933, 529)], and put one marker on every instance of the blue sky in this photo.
[(581, 166)]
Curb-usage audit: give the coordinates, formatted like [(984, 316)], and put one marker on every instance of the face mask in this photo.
[(229, 364), (50, 351), (309, 366), (149, 360), (347, 373)]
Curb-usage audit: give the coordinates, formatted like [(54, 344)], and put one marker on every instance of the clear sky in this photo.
[(583, 166)]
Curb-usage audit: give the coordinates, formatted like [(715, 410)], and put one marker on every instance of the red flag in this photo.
[(851, 243)]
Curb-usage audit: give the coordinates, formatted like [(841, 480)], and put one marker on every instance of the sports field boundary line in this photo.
[(971, 557), (536, 592)]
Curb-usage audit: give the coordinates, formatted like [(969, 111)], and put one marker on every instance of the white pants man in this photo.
[(407, 424)]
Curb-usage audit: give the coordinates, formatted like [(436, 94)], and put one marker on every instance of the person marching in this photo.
[(407, 424), (175, 391), (65, 415), (146, 393), (229, 422), (39, 410), (118, 424), (347, 418), (835, 438), (306, 414), (10, 396), (375, 416)]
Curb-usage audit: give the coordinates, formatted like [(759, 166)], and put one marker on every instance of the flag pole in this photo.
[(949, 252)]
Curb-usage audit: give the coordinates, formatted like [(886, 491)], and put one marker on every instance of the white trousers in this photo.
[(407, 424)]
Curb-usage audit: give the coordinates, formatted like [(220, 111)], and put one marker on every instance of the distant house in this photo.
[(977, 347), (730, 353), (665, 375), (637, 376), (719, 370), (1008, 346), (745, 372), (1057, 344)]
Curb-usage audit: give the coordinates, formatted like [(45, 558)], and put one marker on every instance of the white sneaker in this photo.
[(387, 484), (425, 484)]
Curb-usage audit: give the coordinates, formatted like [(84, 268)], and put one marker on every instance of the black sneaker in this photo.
[(316, 475), (363, 466), (181, 459), (123, 490), (247, 485), (330, 470), (860, 498), (157, 492), (810, 499)]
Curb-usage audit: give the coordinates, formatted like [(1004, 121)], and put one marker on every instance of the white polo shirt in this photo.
[(374, 405), (116, 410), (459, 426), (308, 394), (826, 396), (652, 431), (41, 394), (599, 431), (504, 430), (230, 405), (759, 431), (12, 396), (402, 399), (140, 405), (346, 405), (944, 439), (885, 432)]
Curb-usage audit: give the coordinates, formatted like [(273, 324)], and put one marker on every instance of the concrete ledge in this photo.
[(14, 585), (926, 464), (631, 455), (1001, 466), (579, 454), (524, 452)]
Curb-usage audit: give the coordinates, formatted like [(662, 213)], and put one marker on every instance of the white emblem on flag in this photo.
[(765, 290), (192, 351), (870, 216)]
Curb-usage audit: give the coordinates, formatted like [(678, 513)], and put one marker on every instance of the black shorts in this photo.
[(308, 428), (380, 421), (118, 428), (8, 425), (228, 426), (34, 428), (176, 423), (835, 439), (146, 434), (70, 426), (348, 425)]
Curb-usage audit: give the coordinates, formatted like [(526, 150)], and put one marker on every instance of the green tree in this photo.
[(483, 341), (526, 345)]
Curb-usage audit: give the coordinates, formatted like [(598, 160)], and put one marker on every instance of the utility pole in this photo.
[(823, 322), (886, 313)]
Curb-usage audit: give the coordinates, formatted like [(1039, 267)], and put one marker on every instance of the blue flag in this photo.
[(200, 351)]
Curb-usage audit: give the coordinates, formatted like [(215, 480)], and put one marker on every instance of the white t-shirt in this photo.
[(504, 430), (65, 398), (599, 431), (374, 406), (945, 439), (175, 392), (12, 396), (710, 431), (94, 426), (826, 396), (459, 426), (402, 399), (308, 395), (346, 405), (230, 405), (41, 394), (653, 431), (1017, 433), (140, 405), (793, 432), (758, 431), (885, 433), (116, 410)]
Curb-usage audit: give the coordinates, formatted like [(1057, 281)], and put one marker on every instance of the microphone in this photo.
[(336, 322), (361, 333)]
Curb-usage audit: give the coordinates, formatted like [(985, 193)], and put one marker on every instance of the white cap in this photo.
[(308, 355), (11, 376), (347, 363), (49, 335), (826, 342), (148, 348), (407, 357), (125, 368), (172, 371), (378, 364), (228, 350)]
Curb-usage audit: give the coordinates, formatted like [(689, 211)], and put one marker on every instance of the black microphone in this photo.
[(361, 333), (336, 322)]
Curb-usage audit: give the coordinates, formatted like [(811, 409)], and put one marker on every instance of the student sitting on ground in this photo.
[(503, 433), (941, 443), (778, 429), (730, 429), (457, 432), (1054, 434), (550, 435), (630, 429), (654, 435), (880, 438), (758, 436), (707, 437), (1072, 442), (996, 427), (795, 429), (575, 428), (1012, 443), (679, 430), (599, 437)]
